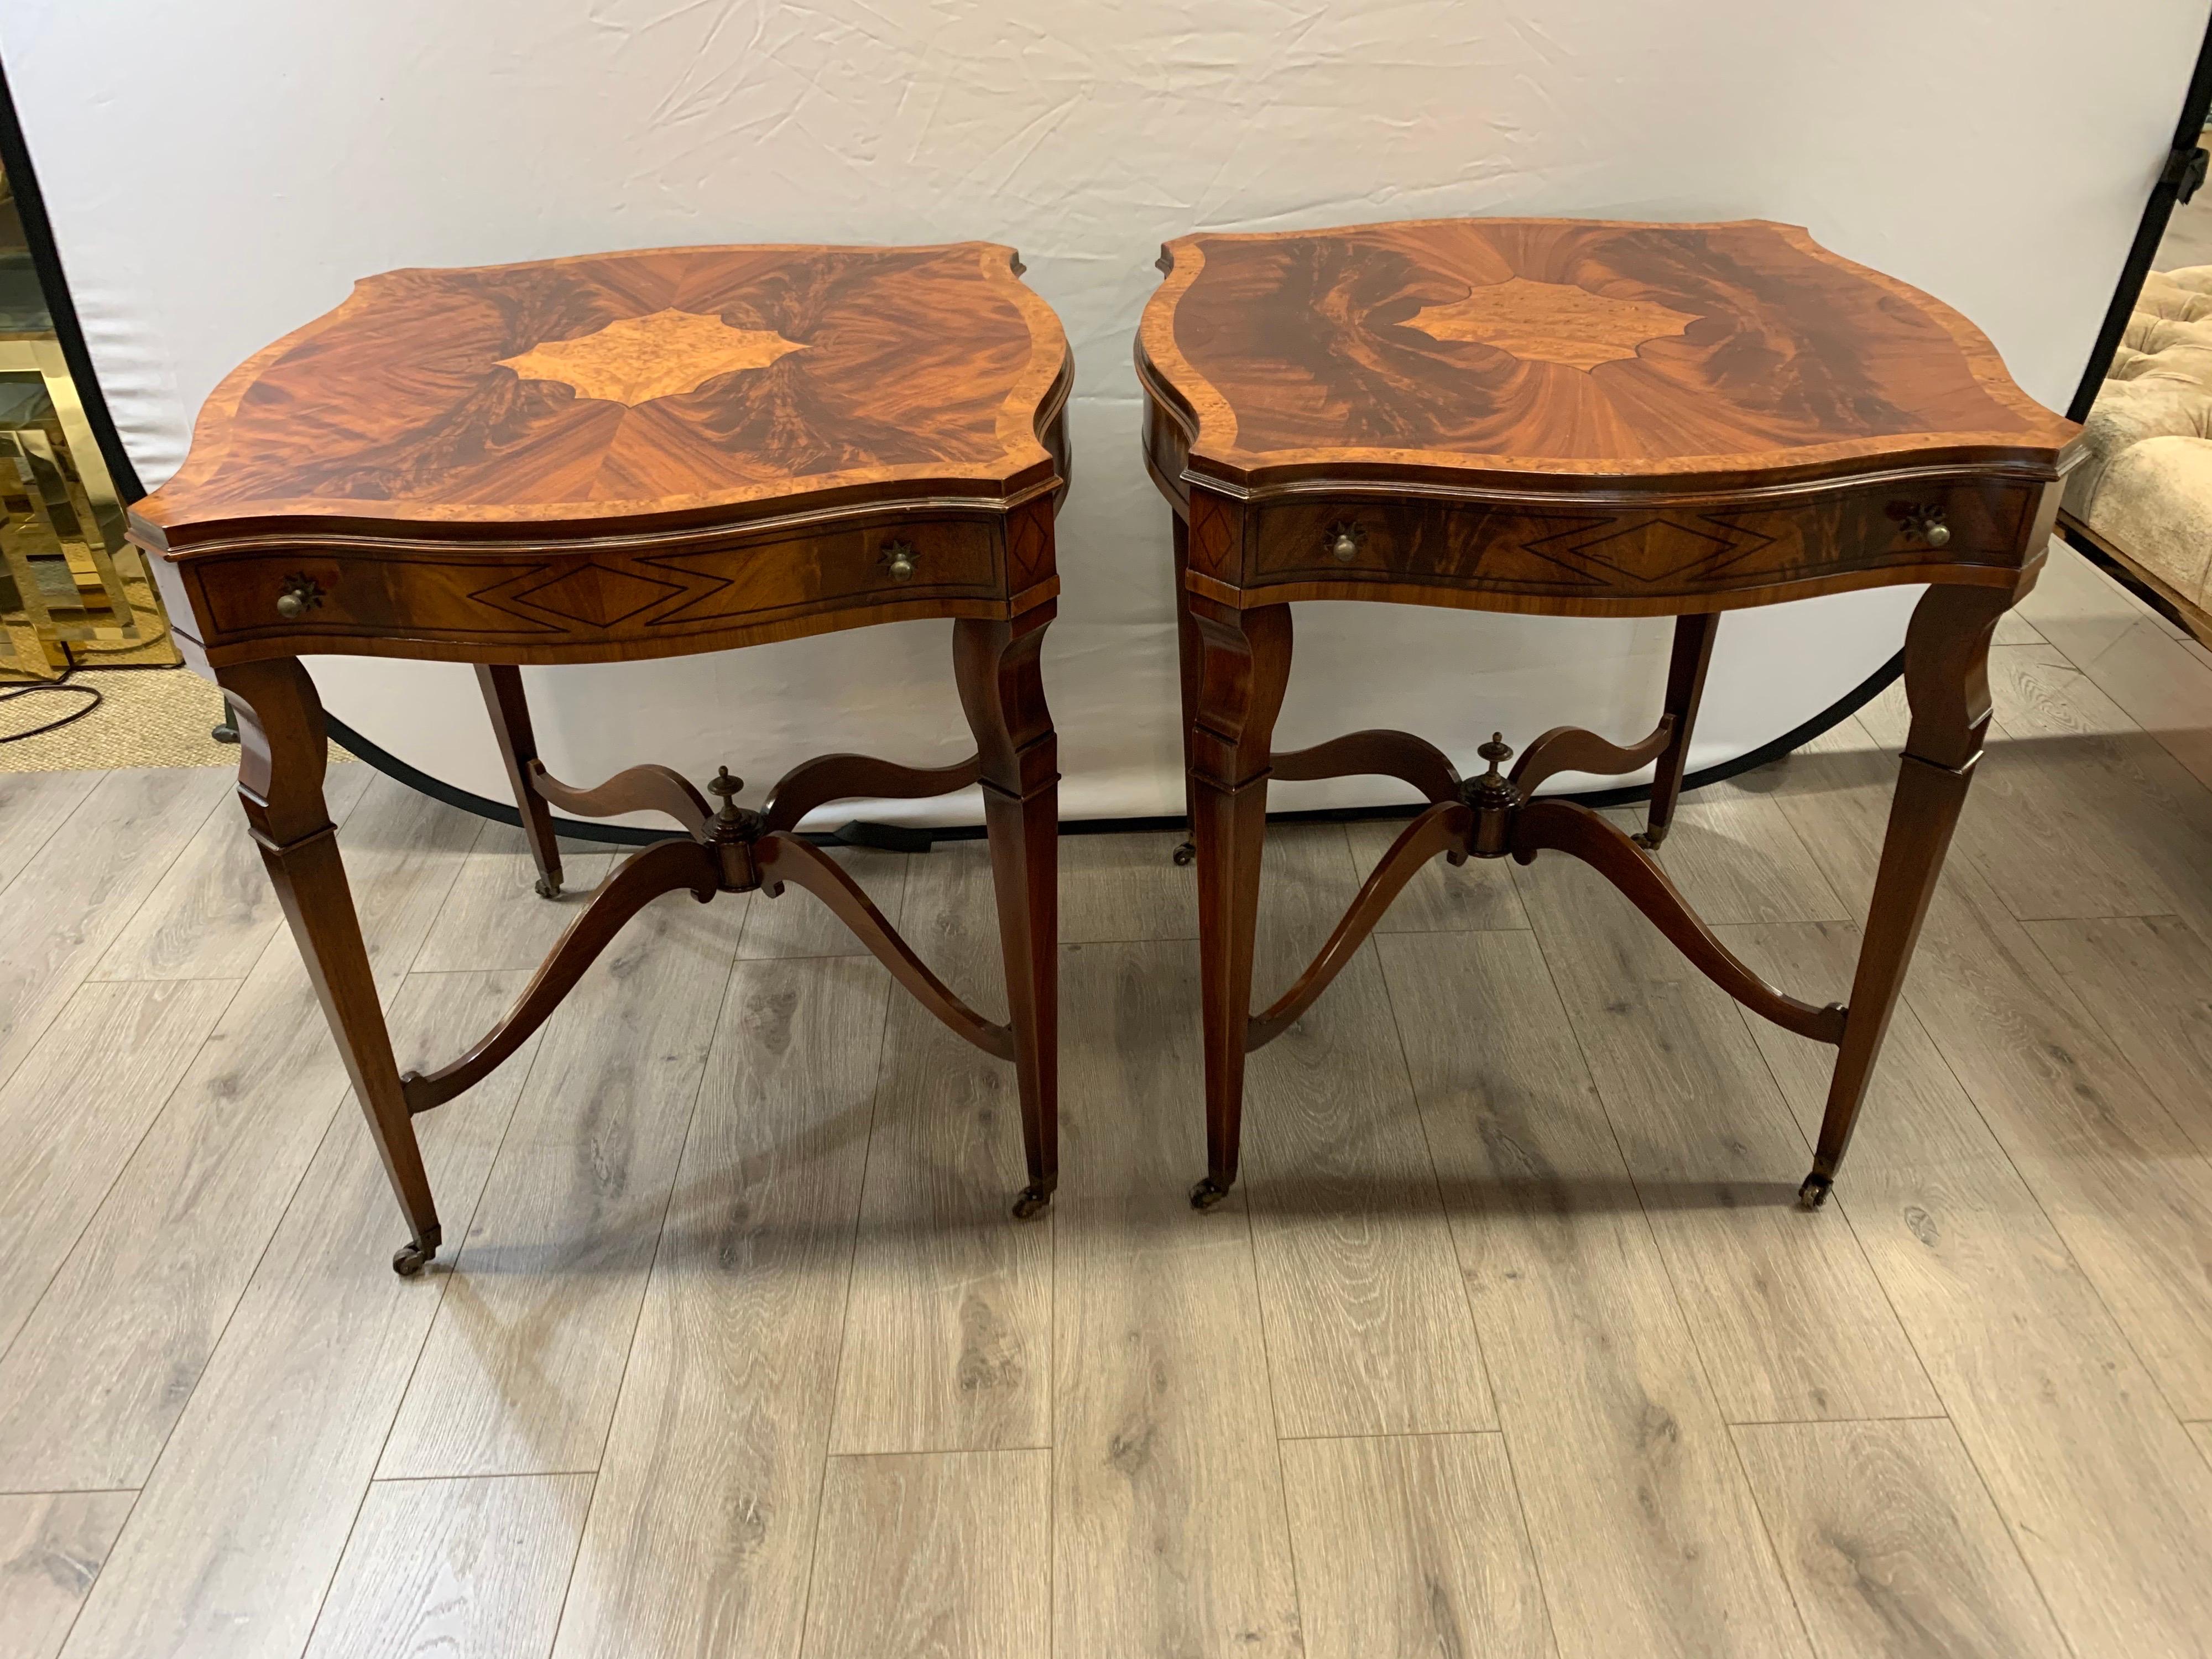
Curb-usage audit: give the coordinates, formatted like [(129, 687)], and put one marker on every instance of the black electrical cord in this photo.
[(96, 696), (61, 684)]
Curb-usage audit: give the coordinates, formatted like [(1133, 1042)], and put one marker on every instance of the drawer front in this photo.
[(1609, 555), (600, 598)]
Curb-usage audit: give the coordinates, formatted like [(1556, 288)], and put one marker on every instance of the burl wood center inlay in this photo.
[(637, 359), (1552, 322)]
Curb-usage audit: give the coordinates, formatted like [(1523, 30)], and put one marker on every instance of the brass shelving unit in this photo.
[(73, 593)]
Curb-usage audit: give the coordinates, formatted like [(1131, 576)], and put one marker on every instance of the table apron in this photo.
[(606, 604), (1607, 559)]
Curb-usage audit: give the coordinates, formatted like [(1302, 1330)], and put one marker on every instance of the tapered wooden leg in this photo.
[(1947, 680), (1686, 688), (1244, 662), (996, 665), (282, 752), (518, 746), (1187, 651)]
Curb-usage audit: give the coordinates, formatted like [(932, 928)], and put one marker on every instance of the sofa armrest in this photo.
[(2154, 510), (2161, 401)]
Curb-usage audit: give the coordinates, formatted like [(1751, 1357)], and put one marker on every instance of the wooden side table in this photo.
[(627, 456), (1570, 418)]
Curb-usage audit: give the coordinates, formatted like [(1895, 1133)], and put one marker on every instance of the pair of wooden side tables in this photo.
[(647, 454)]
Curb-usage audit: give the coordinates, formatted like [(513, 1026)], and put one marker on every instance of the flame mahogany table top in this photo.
[(1560, 355), (622, 393)]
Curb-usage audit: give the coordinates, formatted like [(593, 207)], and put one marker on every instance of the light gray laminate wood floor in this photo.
[(1511, 1342)]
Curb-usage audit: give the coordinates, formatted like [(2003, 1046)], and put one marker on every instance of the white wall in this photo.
[(219, 171)]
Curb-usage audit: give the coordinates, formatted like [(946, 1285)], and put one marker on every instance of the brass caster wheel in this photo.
[(548, 888), (1814, 1192), (1207, 1193), (1034, 1199), (1648, 839), (1186, 852), (409, 1259)]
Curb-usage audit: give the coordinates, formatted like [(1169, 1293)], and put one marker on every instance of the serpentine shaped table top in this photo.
[(622, 393), (1552, 354)]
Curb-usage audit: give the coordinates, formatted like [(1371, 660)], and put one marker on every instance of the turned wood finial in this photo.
[(734, 824), (1493, 789), (726, 787), (1494, 797)]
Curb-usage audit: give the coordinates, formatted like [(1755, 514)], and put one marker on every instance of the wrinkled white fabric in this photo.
[(220, 172)]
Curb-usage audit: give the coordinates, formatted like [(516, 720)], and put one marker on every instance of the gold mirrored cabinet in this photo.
[(73, 593)]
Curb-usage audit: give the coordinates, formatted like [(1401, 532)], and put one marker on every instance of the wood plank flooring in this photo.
[(467, 1567), (1511, 1342)]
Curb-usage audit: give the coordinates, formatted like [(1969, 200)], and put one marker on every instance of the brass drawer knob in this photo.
[(898, 559), (1344, 540), (301, 595), (1927, 523)]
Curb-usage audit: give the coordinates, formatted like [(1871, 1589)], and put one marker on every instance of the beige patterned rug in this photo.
[(146, 717)]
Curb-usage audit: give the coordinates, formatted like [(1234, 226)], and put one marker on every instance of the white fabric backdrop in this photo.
[(220, 172)]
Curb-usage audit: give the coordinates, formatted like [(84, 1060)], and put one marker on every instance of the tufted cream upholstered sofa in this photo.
[(2144, 497)]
